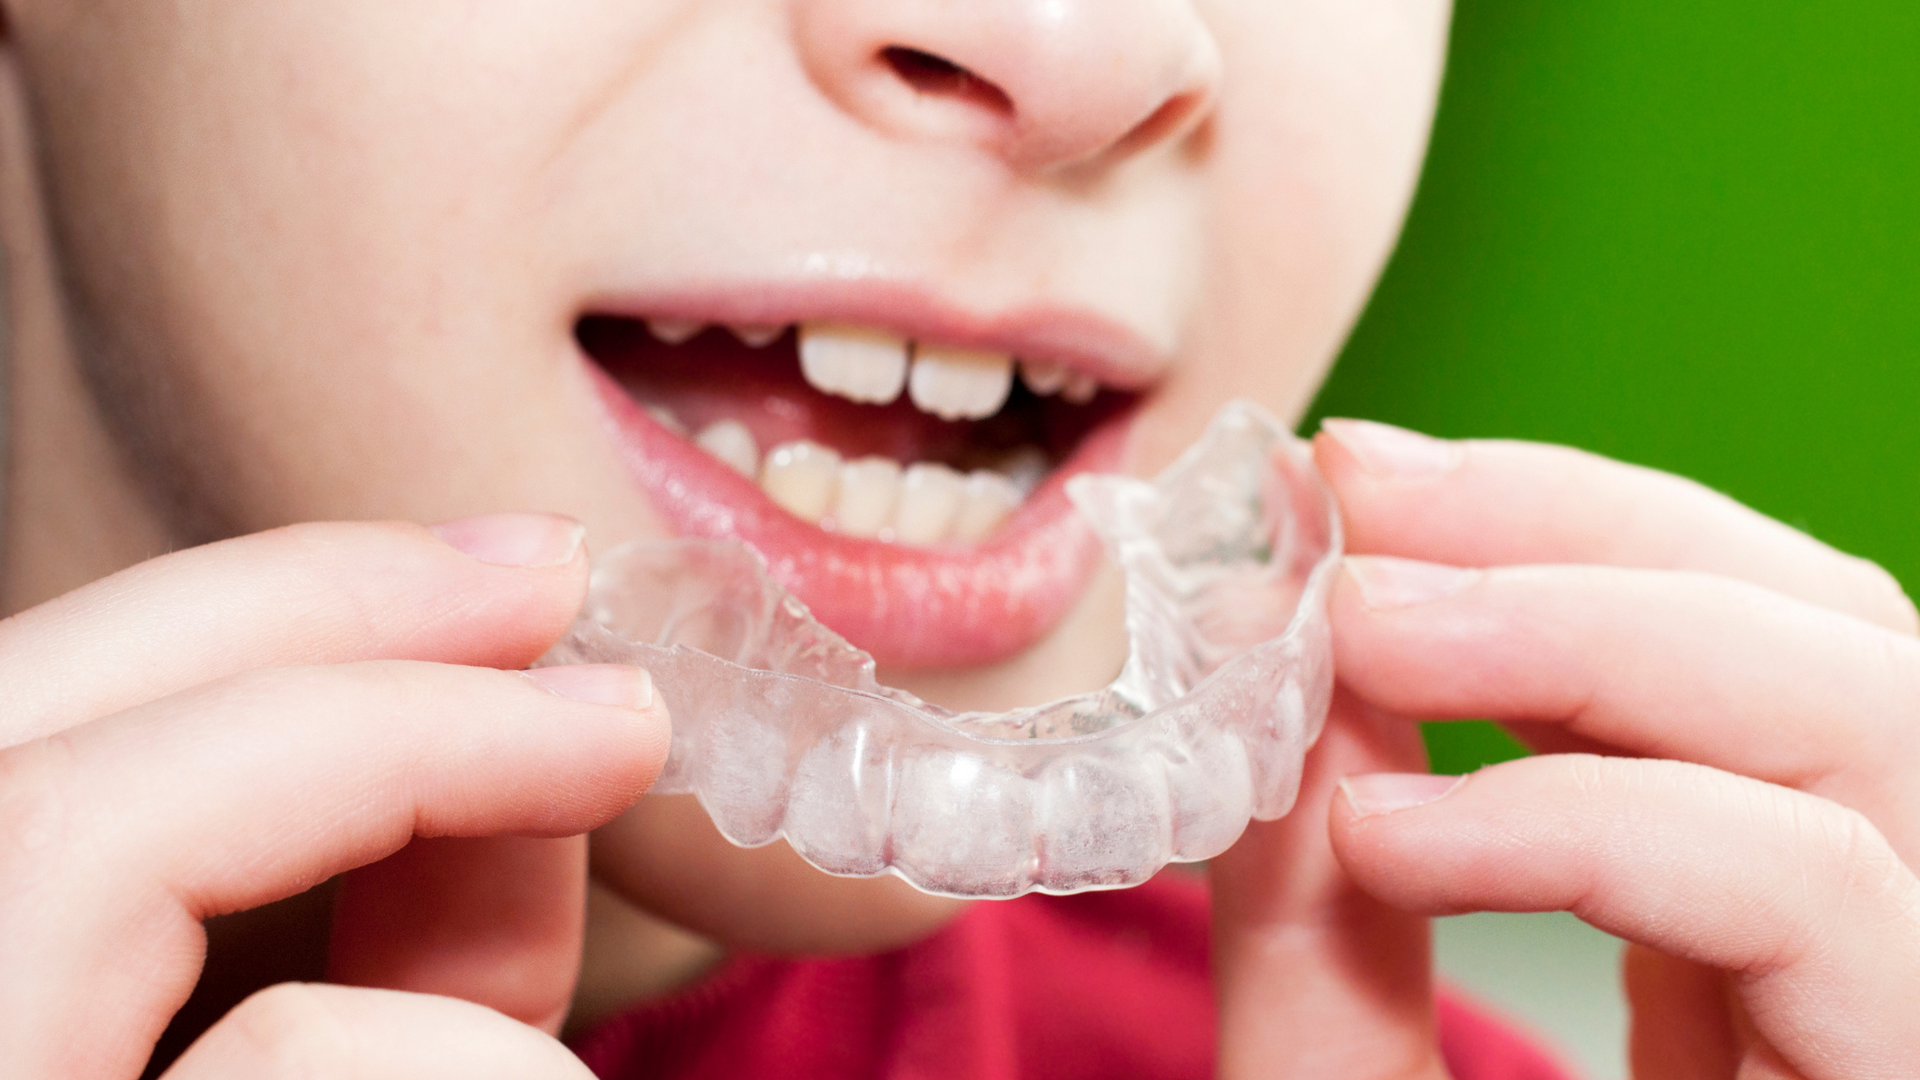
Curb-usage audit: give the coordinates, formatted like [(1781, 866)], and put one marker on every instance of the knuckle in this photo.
[(291, 1032), (1870, 871), (1846, 872), (1895, 661), (362, 568), (36, 808), (1890, 603)]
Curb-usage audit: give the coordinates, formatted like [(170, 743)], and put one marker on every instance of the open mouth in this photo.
[(908, 491)]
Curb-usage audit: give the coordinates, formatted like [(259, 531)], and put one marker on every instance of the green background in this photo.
[(1684, 235)]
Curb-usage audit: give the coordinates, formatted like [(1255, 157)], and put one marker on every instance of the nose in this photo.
[(1043, 83)]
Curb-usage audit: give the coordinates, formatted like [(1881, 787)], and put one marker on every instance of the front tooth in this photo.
[(1043, 378), (803, 477), (959, 384), (869, 490), (853, 362), (674, 331), (1080, 389), (930, 497), (990, 499), (731, 442), (757, 337)]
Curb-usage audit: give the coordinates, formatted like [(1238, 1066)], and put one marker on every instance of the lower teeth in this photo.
[(732, 443), (875, 497), (868, 497)]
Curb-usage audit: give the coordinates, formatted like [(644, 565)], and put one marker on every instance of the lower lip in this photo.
[(911, 607)]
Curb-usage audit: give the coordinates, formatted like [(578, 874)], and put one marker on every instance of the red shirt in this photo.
[(1100, 986)]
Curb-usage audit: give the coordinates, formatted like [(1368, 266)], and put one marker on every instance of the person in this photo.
[(860, 282)]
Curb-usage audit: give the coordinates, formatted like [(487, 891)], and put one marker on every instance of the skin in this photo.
[(342, 284), (272, 264)]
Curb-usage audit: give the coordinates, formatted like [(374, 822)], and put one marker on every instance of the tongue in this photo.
[(715, 377)]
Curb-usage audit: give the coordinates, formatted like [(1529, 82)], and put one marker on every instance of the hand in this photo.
[(230, 725), (1753, 827)]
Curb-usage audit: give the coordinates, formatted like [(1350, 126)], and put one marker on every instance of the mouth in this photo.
[(906, 483)]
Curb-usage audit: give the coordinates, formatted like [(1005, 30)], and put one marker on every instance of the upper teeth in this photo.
[(873, 367), (758, 337), (675, 331), (1080, 389), (1043, 378), (853, 362), (959, 384)]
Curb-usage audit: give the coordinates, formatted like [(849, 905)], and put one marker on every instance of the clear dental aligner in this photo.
[(780, 729)]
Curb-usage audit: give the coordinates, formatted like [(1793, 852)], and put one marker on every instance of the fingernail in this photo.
[(1387, 582), (1386, 450), (1383, 793), (598, 684), (524, 540)]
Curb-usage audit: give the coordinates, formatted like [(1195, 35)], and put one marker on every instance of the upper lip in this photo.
[(1113, 353)]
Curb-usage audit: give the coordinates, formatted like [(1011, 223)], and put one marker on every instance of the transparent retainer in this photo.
[(780, 729)]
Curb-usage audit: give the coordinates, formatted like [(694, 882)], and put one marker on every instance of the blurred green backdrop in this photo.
[(1684, 235)]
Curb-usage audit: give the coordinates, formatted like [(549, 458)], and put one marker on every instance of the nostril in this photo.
[(935, 76)]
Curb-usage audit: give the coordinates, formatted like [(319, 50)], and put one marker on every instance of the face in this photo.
[(367, 259)]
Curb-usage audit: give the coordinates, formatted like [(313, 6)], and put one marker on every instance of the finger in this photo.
[(124, 833), (1312, 976), (298, 1031), (495, 920), (1492, 503), (1801, 899), (665, 856), (1661, 664), (493, 591)]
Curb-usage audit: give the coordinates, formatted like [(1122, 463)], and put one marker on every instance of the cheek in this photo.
[(1317, 144), (330, 262), (1325, 121)]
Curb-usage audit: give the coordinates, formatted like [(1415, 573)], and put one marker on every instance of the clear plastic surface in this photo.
[(781, 730)]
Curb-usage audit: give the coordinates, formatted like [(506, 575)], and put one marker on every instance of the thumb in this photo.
[(1313, 976), (295, 1030)]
